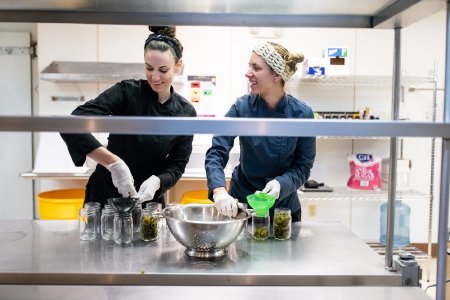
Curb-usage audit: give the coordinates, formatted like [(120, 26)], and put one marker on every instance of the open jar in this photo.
[(87, 221), (136, 214), (107, 223), (123, 228), (260, 226), (149, 224), (282, 224)]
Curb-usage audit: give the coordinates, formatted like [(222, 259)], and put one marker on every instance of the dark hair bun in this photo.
[(163, 30)]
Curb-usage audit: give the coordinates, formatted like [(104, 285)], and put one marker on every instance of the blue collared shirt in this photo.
[(286, 159)]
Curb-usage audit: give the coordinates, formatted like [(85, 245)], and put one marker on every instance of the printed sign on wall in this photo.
[(202, 95)]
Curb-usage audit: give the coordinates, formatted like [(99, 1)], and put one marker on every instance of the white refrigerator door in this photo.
[(16, 201)]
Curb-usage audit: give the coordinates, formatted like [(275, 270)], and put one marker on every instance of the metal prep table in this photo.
[(14, 292), (319, 254)]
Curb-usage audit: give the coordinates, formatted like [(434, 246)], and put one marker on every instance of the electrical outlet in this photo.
[(312, 210)]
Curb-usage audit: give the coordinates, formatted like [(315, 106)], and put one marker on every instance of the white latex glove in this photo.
[(225, 204), (148, 189), (122, 178), (272, 188)]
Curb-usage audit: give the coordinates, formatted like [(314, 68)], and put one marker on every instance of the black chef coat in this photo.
[(161, 155)]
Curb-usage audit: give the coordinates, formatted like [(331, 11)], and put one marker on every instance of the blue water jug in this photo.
[(401, 224)]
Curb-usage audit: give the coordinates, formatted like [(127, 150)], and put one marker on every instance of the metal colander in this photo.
[(202, 230)]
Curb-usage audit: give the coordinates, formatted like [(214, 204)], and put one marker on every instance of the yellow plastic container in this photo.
[(60, 204), (199, 197)]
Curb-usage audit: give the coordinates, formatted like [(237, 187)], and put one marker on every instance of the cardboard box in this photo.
[(314, 66), (337, 60), (336, 52)]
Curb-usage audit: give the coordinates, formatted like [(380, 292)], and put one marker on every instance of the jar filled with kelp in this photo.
[(149, 224), (260, 226), (282, 224)]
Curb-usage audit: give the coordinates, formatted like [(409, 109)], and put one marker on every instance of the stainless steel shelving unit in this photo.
[(351, 80), (111, 292), (393, 14), (346, 194), (409, 83), (330, 13)]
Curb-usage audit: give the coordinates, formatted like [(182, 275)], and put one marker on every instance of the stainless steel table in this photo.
[(319, 254), (14, 292)]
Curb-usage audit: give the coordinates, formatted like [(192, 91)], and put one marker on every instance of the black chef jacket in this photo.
[(161, 155)]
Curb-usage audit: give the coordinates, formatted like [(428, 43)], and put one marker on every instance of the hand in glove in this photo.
[(272, 188), (225, 204), (148, 189), (122, 178)]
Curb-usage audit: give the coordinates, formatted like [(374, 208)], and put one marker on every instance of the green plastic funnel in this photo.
[(261, 203)]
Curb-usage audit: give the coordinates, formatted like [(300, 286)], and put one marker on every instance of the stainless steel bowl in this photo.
[(202, 230)]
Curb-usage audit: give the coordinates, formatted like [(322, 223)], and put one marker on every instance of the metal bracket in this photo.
[(67, 98), (20, 50), (411, 272), (33, 49), (14, 51)]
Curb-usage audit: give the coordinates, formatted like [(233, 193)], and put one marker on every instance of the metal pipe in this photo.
[(225, 126), (443, 219), (393, 152), (413, 89), (444, 189), (433, 157)]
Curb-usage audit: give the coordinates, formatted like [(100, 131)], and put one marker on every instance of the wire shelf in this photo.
[(358, 80), (347, 194), (380, 249)]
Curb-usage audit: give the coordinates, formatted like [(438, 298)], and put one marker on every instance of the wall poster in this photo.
[(203, 94)]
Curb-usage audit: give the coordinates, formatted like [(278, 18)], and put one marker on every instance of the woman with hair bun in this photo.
[(274, 165), (132, 165)]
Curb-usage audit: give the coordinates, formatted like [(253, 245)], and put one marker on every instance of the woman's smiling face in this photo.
[(160, 70), (260, 75)]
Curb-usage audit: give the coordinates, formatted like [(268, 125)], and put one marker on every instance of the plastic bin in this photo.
[(199, 197), (60, 204)]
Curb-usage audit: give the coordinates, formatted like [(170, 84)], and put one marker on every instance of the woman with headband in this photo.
[(143, 166), (274, 165)]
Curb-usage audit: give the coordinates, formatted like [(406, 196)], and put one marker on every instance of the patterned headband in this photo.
[(166, 39), (273, 59)]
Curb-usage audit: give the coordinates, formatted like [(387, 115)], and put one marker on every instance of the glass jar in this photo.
[(98, 208), (154, 206), (245, 230), (136, 213), (107, 223), (260, 226), (149, 225), (87, 220), (282, 223), (123, 228), (162, 226)]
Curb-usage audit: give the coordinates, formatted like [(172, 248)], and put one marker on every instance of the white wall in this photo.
[(16, 148), (32, 29), (224, 52)]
